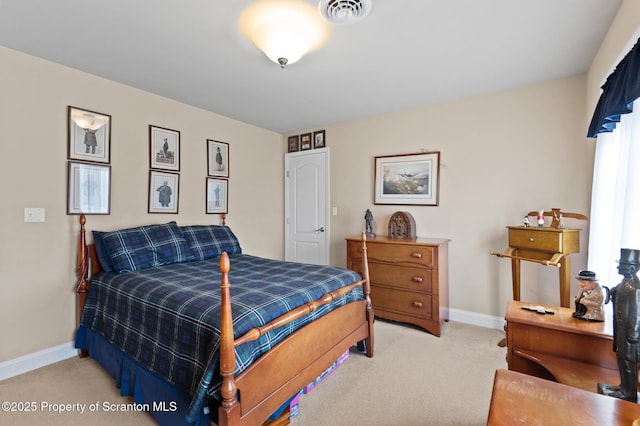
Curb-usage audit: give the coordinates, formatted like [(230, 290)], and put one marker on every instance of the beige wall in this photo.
[(502, 155), (37, 259)]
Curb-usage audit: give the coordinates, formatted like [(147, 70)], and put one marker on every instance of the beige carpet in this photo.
[(413, 379)]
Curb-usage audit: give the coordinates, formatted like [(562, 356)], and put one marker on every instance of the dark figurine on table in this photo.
[(591, 298), (626, 327), (368, 223)]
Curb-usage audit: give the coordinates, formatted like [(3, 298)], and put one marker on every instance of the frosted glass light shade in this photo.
[(284, 28)]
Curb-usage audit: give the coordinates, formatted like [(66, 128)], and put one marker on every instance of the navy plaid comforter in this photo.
[(168, 318)]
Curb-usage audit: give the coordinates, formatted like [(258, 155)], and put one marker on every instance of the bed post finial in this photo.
[(223, 219)]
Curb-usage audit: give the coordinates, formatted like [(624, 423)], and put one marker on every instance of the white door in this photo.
[(307, 206)]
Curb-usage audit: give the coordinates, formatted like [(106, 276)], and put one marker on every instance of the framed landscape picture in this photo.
[(409, 179), (89, 135), (164, 148)]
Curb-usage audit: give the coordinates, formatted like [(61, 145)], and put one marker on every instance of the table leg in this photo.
[(565, 281), (515, 277)]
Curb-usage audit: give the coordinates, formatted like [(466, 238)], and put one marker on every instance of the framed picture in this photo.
[(293, 143), (305, 141), (88, 188), (217, 158), (410, 179), (318, 139), (164, 148), (217, 196), (163, 192), (89, 135)]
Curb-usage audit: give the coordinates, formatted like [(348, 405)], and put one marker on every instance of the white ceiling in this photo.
[(405, 54)]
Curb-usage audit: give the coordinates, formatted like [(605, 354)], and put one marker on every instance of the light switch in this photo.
[(334, 211), (34, 214)]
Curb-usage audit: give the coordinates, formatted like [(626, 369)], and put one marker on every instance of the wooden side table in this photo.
[(560, 347), (547, 246)]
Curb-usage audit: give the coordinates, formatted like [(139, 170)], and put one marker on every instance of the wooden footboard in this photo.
[(253, 395)]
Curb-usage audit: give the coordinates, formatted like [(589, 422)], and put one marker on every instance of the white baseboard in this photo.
[(36, 360), (474, 318)]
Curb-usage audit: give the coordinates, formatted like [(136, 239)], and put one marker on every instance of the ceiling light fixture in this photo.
[(284, 29), (344, 11)]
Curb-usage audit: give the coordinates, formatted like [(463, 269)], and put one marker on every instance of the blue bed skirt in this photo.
[(166, 403)]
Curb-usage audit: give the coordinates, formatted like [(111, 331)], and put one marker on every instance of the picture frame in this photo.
[(293, 143), (319, 139), (89, 135), (217, 196), (217, 158), (164, 192), (305, 142), (164, 148), (88, 188), (407, 179)]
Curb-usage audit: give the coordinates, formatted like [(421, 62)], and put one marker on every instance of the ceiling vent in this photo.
[(344, 11)]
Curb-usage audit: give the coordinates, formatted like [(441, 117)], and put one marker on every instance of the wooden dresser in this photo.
[(409, 279)]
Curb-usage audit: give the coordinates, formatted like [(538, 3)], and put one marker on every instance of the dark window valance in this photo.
[(619, 92)]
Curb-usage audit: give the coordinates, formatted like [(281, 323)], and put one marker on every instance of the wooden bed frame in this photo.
[(252, 396)]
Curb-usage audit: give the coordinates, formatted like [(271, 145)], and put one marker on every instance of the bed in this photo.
[(184, 327)]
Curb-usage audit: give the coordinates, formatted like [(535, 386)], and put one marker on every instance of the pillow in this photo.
[(207, 241), (147, 246), (101, 251)]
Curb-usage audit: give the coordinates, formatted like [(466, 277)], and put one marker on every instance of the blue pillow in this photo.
[(101, 251), (147, 246), (207, 241)]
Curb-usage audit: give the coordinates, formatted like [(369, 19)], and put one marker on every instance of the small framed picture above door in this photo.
[(305, 142)]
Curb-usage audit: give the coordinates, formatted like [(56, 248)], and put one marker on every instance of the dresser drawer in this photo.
[(417, 304), (565, 241), (394, 253), (413, 279)]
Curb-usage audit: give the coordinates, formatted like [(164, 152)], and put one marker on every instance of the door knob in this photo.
[(321, 229)]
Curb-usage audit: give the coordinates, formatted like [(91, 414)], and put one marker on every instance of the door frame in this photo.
[(287, 206)]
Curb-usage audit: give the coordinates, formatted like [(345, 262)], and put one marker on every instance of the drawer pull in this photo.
[(531, 239), (417, 279), (417, 304), (417, 255)]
